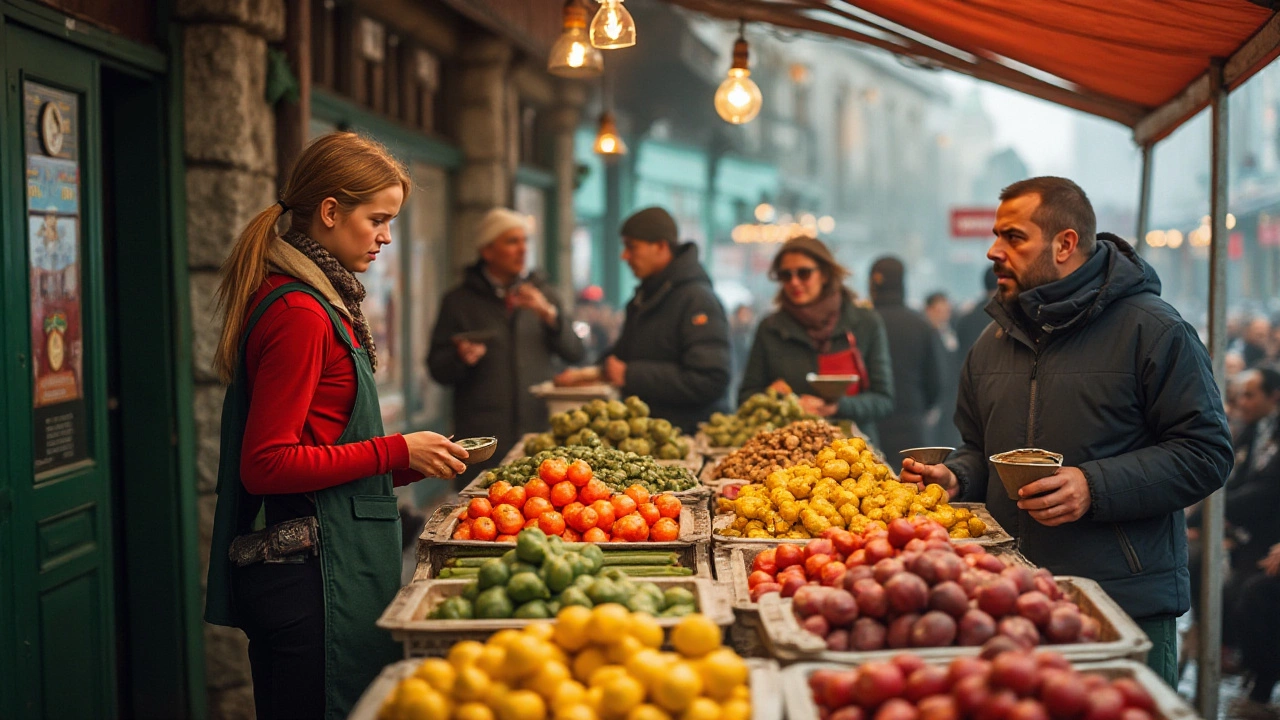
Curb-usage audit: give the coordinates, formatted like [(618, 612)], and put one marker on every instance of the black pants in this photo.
[(1260, 632), (282, 611)]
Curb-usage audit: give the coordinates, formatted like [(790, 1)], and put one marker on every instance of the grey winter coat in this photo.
[(675, 342), (782, 349), (1103, 371), (492, 397)]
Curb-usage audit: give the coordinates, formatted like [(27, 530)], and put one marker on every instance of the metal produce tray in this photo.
[(476, 489), (406, 616), (996, 534), (798, 698), (1120, 638), (695, 527), (432, 555), (733, 563), (765, 679)]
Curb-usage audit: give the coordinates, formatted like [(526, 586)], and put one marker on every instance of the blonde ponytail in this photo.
[(242, 274)]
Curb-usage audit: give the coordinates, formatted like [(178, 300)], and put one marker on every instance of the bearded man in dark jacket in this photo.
[(1085, 359), (673, 352)]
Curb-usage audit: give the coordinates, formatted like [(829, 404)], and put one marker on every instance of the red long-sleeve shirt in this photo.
[(302, 386)]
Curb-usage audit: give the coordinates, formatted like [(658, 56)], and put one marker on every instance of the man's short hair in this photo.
[(934, 297), (1270, 380), (1063, 206)]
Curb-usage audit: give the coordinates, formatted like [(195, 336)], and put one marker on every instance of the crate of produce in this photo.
[(408, 616), (692, 460), (995, 534), (459, 562), (799, 443), (694, 521), (615, 468), (1118, 636), (624, 424), (1159, 701), (765, 678)]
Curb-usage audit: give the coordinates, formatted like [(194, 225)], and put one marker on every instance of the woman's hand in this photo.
[(435, 455), (470, 352), (577, 376), (815, 405), (921, 474)]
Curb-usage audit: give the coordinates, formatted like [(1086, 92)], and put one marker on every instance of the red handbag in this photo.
[(846, 362)]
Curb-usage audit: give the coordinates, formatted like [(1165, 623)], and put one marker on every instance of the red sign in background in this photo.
[(972, 222)]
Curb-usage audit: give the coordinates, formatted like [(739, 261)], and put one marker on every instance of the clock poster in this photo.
[(51, 120)]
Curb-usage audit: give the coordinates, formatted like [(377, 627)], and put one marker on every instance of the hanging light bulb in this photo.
[(738, 98), (573, 56), (608, 142), (612, 27)]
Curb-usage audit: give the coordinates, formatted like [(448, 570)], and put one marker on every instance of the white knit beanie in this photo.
[(496, 222)]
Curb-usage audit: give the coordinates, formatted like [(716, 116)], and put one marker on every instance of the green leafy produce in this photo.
[(623, 424), (761, 412), (616, 468)]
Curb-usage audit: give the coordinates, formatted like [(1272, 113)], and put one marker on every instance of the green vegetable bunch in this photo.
[(542, 575), (616, 468), (624, 424)]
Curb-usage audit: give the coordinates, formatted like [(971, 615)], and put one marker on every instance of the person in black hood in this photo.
[(1086, 360), (673, 352), (499, 332)]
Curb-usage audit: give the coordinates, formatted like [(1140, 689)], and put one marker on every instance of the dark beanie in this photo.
[(651, 225), (887, 280)]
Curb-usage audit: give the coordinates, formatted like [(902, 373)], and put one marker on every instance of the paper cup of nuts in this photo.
[(1023, 467)]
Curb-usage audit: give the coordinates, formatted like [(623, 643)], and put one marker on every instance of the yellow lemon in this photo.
[(493, 660), (742, 692), (735, 710), (520, 705), (577, 711), (604, 674), (701, 709), (570, 630), (646, 666), (722, 672), (587, 662), (416, 699), (677, 687), (645, 628), (438, 673), (471, 684), (621, 649), (648, 712), (503, 638), (695, 636), (547, 679), (621, 694), (541, 630), (472, 711), (595, 696), (465, 653), (526, 655), (608, 621), (568, 692)]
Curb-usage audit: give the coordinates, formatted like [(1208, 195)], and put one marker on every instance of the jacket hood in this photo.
[(1114, 272), (684, 268)]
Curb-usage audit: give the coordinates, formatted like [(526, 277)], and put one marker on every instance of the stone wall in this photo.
[(229, 136)]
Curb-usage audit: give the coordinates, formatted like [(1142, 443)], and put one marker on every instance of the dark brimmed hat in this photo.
[(651, 224)]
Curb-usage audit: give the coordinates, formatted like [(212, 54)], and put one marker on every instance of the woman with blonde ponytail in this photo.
[(306, 539)]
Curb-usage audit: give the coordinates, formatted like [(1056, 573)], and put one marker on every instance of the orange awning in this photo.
[(1127, 60)]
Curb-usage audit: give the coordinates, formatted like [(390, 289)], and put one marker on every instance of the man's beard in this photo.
[(1040, 272)]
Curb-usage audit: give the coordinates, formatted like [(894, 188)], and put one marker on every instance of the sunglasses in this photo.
[(804, 273)]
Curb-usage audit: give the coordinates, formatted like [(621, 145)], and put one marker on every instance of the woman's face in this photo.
[(801, 280), (356, 238)]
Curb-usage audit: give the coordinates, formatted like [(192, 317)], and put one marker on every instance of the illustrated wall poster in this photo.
[(53, 250)]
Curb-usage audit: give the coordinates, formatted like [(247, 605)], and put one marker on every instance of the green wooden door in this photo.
[(57, 469)]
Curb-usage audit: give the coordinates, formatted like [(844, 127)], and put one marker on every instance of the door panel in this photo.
[(54, 372)]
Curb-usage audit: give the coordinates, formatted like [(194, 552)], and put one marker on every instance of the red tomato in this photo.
[(668, 505), (530, 523), (757, 577), (563, 493), (537, 487), (631, 528), (595, 535), (535, 506), (479, 507), (484, 529), (766, 561), (579, 473), (508, 519), (584, 520), (505, 538), (638, 493), (462, 532), (593, 491), (604, 514), (649, 512), (623, 505), (497, 490), (551, 523), (789, 554), (515, 497), (553, 469), (571, 535), (813, 565), (665, 530)]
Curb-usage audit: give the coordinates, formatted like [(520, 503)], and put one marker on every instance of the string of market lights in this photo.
[(1198, 238), (772, 228)]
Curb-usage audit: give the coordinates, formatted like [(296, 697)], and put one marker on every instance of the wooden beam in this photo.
[(784, 15), (293, 119)]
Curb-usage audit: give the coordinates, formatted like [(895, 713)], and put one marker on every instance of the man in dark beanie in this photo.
[(674, 348), (917, 355)]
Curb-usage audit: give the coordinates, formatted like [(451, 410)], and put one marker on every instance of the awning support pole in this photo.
[(1209, 664), (1144, 199)]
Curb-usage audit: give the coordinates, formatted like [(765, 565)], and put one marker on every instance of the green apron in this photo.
[(359, 532)]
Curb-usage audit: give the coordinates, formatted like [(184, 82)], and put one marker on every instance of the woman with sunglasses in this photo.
[(819, 329)]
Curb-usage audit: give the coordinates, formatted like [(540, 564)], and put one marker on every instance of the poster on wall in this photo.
[(51, 122)]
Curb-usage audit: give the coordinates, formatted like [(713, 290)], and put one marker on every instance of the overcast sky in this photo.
[(1040, 131)]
